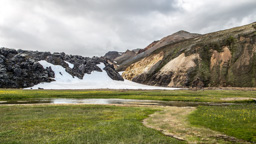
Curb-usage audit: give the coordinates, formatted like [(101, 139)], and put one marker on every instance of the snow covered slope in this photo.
[(95, 80)]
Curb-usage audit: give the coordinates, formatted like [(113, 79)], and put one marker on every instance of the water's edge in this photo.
[(114, 101)]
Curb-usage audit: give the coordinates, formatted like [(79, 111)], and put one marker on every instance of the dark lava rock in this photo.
[(113, 74), (20, 69)]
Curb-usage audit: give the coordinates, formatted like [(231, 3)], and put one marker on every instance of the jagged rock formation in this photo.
[(130, 57), (224, 58), (118, 58), (112, 55), (20, 69)]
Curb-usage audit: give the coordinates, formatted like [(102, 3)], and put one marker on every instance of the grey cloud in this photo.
[(93, 27), (113, 7), (217, 17)]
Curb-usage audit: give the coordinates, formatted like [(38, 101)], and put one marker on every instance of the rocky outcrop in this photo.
[(20, 68), (17, 70), (224, 58), (117, 59), (112, 55)]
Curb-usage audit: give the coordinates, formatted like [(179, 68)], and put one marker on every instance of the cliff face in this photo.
[(20, 69), (224, 58)]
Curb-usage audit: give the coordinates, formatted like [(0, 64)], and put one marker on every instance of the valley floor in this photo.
[(77, 124), (124, 124)]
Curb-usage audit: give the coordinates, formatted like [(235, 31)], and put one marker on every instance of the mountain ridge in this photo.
[(206, 60), (130, 56)]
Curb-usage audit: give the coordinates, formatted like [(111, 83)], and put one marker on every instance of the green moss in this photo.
[(216, 46), (230, 78), (236, 50), (238, 121), (204, 72), (254, 70), (215, 76), (77, 124), (230, 40), (253, 82), (254, 26)]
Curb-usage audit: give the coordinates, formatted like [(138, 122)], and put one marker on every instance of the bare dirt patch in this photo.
[(237, 98), (220, 58)]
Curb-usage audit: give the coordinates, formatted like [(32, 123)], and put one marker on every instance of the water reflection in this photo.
[(96, 101), (113, 101)]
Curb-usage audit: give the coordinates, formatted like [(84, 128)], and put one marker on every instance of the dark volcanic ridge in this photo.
[(21, 68)]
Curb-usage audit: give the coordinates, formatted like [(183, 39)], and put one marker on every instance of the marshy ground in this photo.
[(163, 95), (131, 123)]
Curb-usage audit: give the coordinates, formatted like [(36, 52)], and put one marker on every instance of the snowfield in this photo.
[(95, 80)]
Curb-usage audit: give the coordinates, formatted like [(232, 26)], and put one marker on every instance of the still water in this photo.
[(112, 101)]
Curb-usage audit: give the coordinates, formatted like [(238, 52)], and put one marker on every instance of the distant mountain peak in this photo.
[(181, 31)]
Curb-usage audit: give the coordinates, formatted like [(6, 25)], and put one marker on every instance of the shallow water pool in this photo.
[(112, 101)]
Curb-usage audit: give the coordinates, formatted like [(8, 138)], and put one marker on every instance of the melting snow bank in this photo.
[(95, 80)]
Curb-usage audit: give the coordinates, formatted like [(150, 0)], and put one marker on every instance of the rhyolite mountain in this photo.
[(223, 58), (21, 69), (131, 56)]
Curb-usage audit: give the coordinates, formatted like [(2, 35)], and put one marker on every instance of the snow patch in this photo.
[(95, 80), (70, 64), (121, 72), (60, 73)]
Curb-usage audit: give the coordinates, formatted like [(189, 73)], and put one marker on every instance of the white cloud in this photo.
[(94, 27)]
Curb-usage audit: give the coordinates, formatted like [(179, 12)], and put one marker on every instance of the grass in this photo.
[(238, 121), (177, 95), (174, 121), (112, 124), (77, 124)]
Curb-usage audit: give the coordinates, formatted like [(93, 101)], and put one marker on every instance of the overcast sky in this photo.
[(94, 27)]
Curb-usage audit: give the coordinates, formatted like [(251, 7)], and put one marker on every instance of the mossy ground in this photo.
[(77, 124), (237, 121), (174, 121), (112, 124)]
